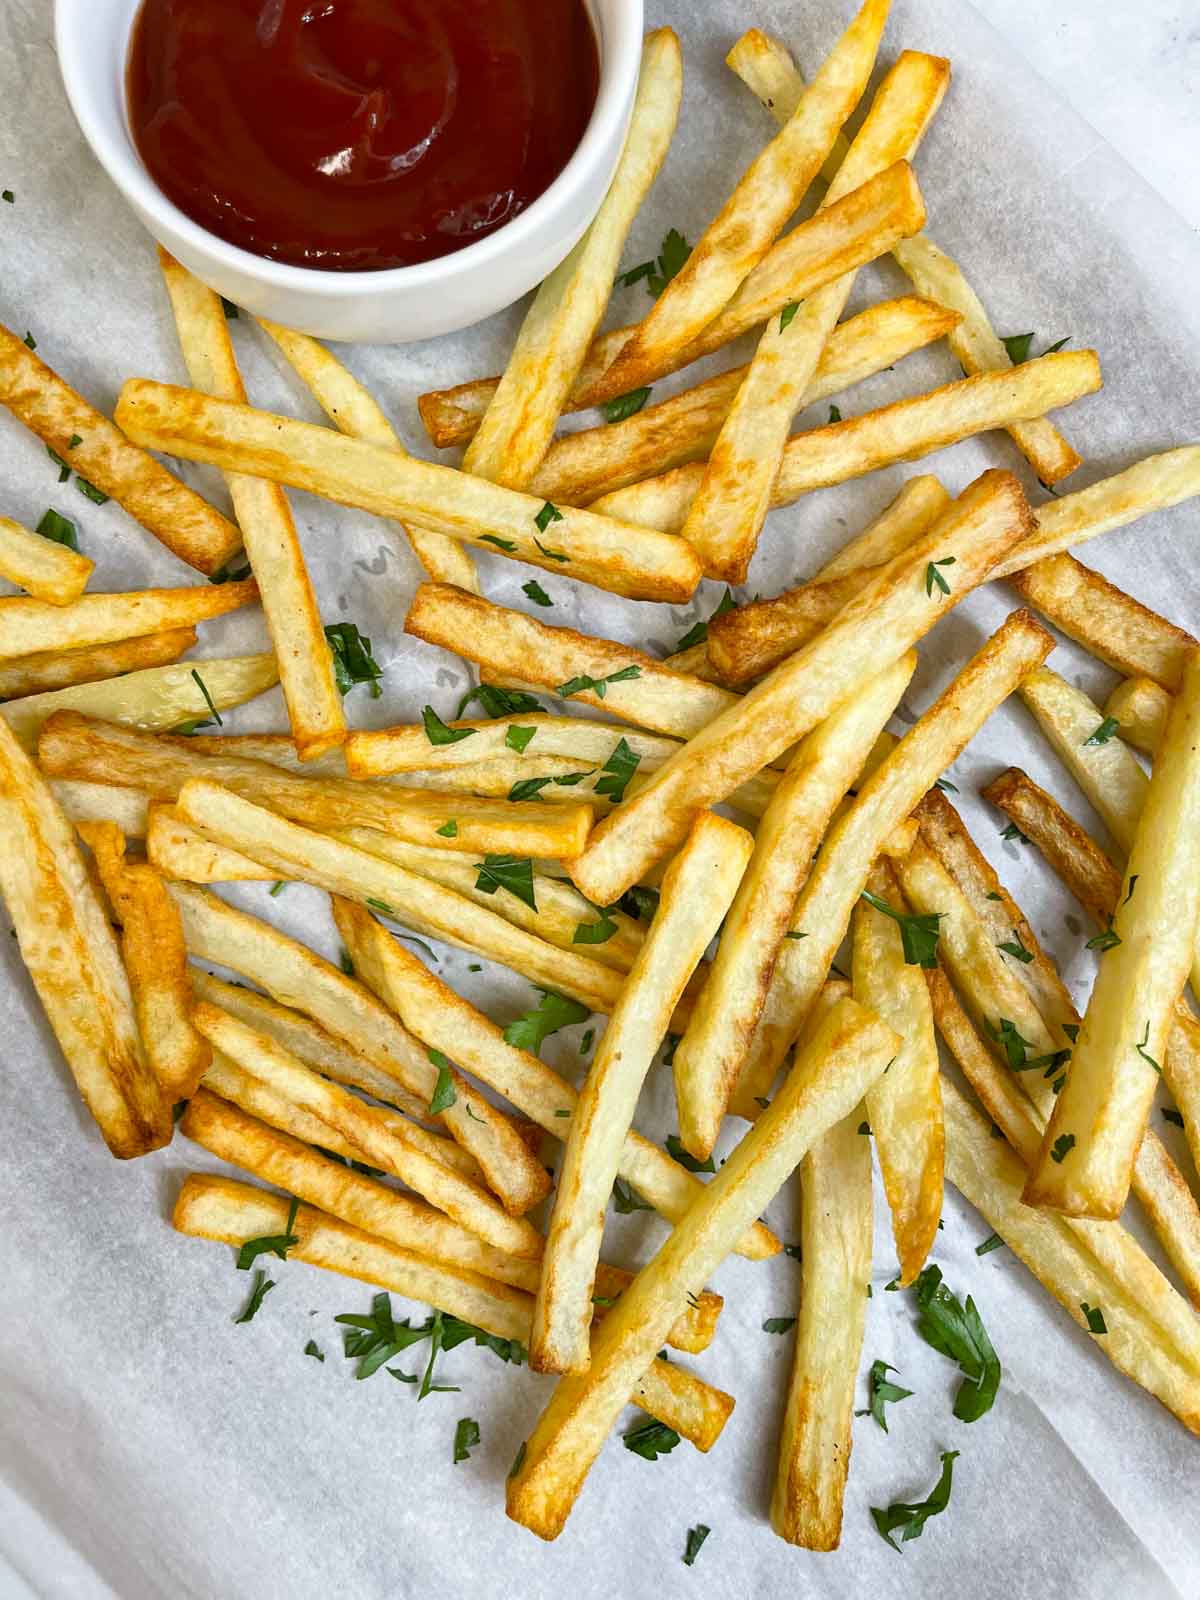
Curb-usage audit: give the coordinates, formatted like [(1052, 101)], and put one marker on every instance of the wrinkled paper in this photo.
[(148, 1446)]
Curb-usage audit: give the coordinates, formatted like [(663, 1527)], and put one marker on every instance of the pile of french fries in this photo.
[(401, 1133)]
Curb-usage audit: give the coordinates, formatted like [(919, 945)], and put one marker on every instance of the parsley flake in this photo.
[(882, 1392), (1103, 733), (1140, 1047), (1108, 940), (650, 1440), (444, 1094), (258, 1293), (618, 770), (58, 528), (552, 1012), (918, 932), (698, 632), (625, 405), (518, 738), (536, 593), (695, 1539), (933, 576), (1063, 1145), (626, 1199), (448, 830), (583, 682), (208, 699), (353, 662), (1094, 1318), (779, 1324), (1015, 947), (466, 1437), (685, 1159), (514, 873), (548, 514), (787, 314), (276, 1244), (957, 1331), (910, 1519), (498, 702), (992, 1242)]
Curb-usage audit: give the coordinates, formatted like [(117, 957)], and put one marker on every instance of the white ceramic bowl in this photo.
[(399, 305)]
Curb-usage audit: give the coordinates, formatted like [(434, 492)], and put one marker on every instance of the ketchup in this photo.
[(358, 134)]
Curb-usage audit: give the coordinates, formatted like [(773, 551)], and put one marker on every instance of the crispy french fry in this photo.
[(768, 71), (1111, 624), (103, 802), (49, 571), (62, 669), (350, 407), (268, 528), (155, 959), (73, 960), (846, 1054), (764, 197), (74, 746), (447, 1022), (519, 422), (1141, 707), (381, 1136), (886, 617), (833, 887), (729, 508), (836, 1226), (637, 562), (697, 890), (709, 1056), (25, 624), (1092, 1138), (589, 462), (904, 1107), (219, 1208), (182, 852), (918, 505), (102, 456)]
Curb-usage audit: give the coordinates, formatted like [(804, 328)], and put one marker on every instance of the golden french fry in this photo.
[(155, 959), (221, 1209), (182, 852), (697, 890), (895, 609), (637, 562), (1092, 1138), (103, 457), (350, 407), (1111, 624), (73, 960), (268, 528), (103, 802), (709, 1056), (26, 625), (763, 199), (517, 426), (833, 887), (904, 1107), (729, 507), (447, 1022), (846, 1054), (74, 746), (62, 669), (918, 505), (49, 571), (1141, 708)]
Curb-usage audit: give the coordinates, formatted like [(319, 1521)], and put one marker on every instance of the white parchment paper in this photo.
[(148, 1447)]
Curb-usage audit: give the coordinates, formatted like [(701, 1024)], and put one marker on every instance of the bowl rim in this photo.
[(619, 49)]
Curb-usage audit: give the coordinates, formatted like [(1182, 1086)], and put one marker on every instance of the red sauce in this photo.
[(358, 134)]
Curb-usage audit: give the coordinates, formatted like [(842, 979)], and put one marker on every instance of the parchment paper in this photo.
[(148, 1447)]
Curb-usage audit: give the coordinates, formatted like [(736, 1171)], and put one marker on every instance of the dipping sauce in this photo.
[(358, 134)]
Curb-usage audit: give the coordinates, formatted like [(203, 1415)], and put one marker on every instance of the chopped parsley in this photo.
[(518, 1459), (258, 1293), (231, 574), (518, 738), (918, 932), (1140, 1047), (657, 273), (548, 514), (787, 314), (698, 632), (313, 1349), (1015, 947), (444, 1094), (957, 1331), (599, 932), (552, 1012), (90, 492), (882, 1393), (58, 528), (1171, 1115), (626, 1199), (536, 593), (551, 555), (909, 1519), (1094, 1318), (933, 576), (1019, 346), (1103, 733), (64, 471), (208, 699), (625, 405), (498, 702), (466, 1437), (695, 1539), (276, 1244), (514, 873), (1013, 833), (1063, 1145), (584, 682), (1108, 940), (650, 1439), (834, 416), (779, 1324), (618, 770), (507, 545), (448, 830), (676, 1149), (353, 662), (992, 1242)]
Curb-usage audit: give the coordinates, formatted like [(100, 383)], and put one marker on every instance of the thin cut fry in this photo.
[(102, 456), (1141, 707), (918, 505), (62, 669), (25, 625), (886, 617), (73, 960), (697, 890), (182, 852), (44, 569), (846, 1055), (155, 959), (637, 562), (268, 528), (710, 1054), (103, 802), (840, 872)]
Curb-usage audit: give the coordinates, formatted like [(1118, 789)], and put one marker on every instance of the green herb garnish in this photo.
[(933, 576), (58, 528), (625, 405), (352, 659), (466, 1437), (909, 1519), (918, 932), (208, 699), (1103, 733), (882, 1392), (685, 1159), (650, 1439), (552, 1012), (958, 1332), (618, 770), (514, 873), (536, 593), (599, 685), (261, 1288)]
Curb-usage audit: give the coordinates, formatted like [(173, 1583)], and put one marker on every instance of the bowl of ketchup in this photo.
[(373, 170)]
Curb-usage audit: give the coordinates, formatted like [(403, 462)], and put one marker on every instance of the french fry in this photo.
[(1092, 1138), (350, 407), (75, 746), (763, 199), (840, 872), (182, 852), (697, 890), (589, 462), (155, 959), (49, 571), (904, 1107), (846, 1054), (918, 505), (991, 1178), (103, 802), (519, 422), (62, 669), (296, 977), (381, 1137), (219, 1208), (768, 71), (881, 622), (1091, 877), (1111, 624), (73, 960), (104, 457), (836, 1227), (729, 508), (903, 431), (26, 624), (637, 562), (447, 1022), (1141, 707), (710, 1054), (268, 528)]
